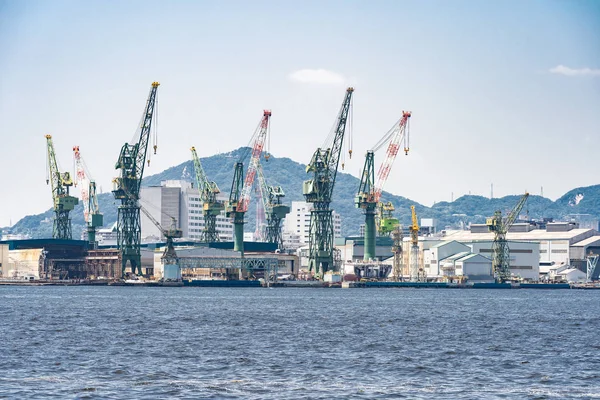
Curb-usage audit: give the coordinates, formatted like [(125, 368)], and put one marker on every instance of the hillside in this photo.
[(290, 175)]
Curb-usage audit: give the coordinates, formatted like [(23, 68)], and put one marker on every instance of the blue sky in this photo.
[(501, 92)]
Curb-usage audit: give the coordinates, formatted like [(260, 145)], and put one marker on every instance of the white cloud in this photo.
[(561, 69), (321, 76)]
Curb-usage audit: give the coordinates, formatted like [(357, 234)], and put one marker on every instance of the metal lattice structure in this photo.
[(64, 203), (132, 159), (319, 190), (169, 256), (415, 276), (500, 250), (211, 207), (239, 196), (397, 251), (370, 190), (274, 210), (592, 262), (91, 211)]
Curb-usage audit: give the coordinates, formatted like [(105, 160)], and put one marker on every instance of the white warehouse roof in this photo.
[(573, 236)]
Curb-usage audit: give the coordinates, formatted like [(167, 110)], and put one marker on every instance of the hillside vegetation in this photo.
[(290, 175)]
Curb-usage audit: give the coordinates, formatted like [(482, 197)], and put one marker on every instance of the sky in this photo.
[(504, 93)]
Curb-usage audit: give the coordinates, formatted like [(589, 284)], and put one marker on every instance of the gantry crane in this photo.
[(63, 202), (211, 207), (415, 274), (127, 187), (369, 191), (91, 212), (274, 210), (500, 250), (239, 196), (319, 189)]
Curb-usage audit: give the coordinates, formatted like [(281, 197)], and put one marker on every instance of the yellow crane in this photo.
[(416, 275)]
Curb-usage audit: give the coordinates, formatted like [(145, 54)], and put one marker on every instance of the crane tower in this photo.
[(369, 191), (274, 210), (319, 189), (132, 159), (91, 212), (239, 196), (60, 183), (415, 276), (500, 250), (211, 207)]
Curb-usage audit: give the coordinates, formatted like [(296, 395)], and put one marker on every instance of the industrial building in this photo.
[(298, 221), (560, 243), (57, 259), (446, 259), (179, 199)]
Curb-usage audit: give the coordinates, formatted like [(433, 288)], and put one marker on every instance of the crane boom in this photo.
[(169, 256), (211, 207), (127, 187), (60, 182), (370, 189), (239, 196), (319, 189), (500, 249), (275, 211), (91, 211), (259, 143), (396, 135)]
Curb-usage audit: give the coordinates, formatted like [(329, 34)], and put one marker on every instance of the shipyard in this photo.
[(265, 200), (189, 233)]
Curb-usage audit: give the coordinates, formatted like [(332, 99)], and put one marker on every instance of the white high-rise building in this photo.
[(298, 221), (181, 200)]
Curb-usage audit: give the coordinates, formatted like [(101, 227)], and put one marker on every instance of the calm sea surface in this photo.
[(151, 343)]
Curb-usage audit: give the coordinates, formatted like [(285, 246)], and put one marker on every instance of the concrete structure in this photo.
[(105, 236), (291, 240), (572, 275), (3, 259), (440, 251), (474, 267), (298, 221), (162, 202), (524, 257)]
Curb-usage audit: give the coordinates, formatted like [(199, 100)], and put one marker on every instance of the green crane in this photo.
[(91, 212), (239, 196), (500, 250), (63, 202), (275, 211), (319, 189), (369, 191), (211, 207), (127, 188)]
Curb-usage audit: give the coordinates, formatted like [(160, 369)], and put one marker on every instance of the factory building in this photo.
[(57, 259), (560, 243), (298, 221)]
